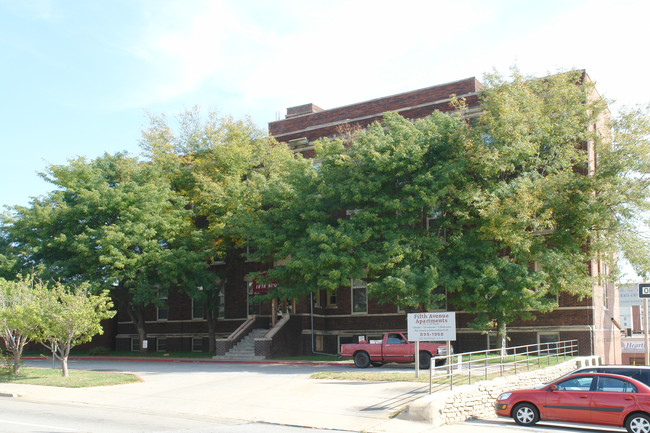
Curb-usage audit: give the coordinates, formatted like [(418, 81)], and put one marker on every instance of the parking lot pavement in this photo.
[(277, 394)]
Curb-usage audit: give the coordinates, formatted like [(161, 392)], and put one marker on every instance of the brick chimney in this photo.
[(301, 110)]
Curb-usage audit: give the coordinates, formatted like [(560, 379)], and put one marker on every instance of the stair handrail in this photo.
[(223, 345), (263, 344), (240, 332), (274, 330)]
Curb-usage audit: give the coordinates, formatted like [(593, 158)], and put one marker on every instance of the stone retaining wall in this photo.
[(477, 400)]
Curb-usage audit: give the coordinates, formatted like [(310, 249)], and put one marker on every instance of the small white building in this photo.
[(631, 307)]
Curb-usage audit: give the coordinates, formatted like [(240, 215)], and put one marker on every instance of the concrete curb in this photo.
[(201, 361)]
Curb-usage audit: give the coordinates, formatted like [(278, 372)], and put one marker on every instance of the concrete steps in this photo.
[(245, 349)]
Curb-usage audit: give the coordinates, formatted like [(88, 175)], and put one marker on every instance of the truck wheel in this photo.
[(425, 360), (361, 359)]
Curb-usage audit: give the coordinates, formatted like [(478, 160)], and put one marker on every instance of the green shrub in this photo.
[(6, 363), (99, 351)]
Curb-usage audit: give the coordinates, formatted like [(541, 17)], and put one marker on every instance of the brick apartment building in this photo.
[(325, 321)]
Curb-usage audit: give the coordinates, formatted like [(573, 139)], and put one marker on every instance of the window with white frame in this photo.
[(162, 310), (359, 297), (548, 337)]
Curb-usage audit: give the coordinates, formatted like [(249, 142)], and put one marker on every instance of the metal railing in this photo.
[(481, 365)]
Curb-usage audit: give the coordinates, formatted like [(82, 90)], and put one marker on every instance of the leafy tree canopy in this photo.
[(493, 215)]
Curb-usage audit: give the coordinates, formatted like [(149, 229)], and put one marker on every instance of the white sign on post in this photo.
[(432, 326)]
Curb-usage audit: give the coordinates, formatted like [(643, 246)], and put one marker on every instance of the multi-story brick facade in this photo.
[(326, 320), (587, 320)]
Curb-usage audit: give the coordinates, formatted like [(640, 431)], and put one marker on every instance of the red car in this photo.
[(590, 398)]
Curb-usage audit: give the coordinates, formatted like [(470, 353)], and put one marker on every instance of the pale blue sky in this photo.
[(78, 76)]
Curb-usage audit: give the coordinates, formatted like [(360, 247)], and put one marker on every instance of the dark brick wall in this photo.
[(476, 341)]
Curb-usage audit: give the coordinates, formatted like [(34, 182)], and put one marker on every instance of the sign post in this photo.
[(644, 293), (431, 327)]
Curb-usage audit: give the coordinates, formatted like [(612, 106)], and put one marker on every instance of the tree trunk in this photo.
[(15, 343), (64, 366), (502, 339), (211, 317), (17, 355), (136, 314)]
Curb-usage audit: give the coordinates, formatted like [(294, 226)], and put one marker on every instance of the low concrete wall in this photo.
[(477, 400)]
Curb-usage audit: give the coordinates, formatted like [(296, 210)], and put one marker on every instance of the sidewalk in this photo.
[(264, 391)]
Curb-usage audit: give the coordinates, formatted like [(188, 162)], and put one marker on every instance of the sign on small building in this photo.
[(644, 290)]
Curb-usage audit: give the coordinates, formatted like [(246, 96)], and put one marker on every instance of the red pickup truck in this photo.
[(394, 347)]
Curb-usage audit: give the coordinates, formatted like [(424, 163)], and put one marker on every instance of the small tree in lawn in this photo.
[(71, 316), (19, 316)]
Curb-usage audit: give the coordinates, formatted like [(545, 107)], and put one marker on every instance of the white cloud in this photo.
[(338, 52)]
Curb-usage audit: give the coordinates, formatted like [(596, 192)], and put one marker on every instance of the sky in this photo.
[(80, 78)]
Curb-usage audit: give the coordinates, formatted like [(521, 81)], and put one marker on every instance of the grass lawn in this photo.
[(460, 378), (77, 379)]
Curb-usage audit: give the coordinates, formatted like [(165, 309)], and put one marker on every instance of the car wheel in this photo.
[(425, 360), (361, 359), (638, 423), (525, 414)]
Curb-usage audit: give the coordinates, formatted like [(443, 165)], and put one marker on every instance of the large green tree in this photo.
[(494, 216), (224, 169), (114, 222)]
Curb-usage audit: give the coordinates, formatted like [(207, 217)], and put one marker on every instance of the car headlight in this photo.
[(504, 396), (442, 351)]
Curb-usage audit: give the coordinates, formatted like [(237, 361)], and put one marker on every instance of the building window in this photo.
[(491, 341), (198, 310), (163, 308), (161, 344), (331, 299), (359, 297), (548, 338), (317, 298), (197, 344), (135, 344)]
